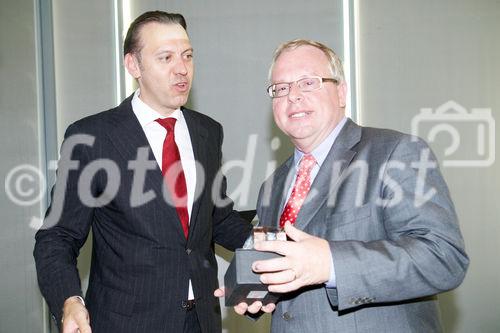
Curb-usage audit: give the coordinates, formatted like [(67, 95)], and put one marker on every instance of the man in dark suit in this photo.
[(145, 177), (373, 231)]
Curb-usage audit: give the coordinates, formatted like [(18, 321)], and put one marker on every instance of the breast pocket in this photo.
[(351, 216), (353, 224)]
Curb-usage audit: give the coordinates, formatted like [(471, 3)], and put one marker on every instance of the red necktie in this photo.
[(299, 191), (174, 178)]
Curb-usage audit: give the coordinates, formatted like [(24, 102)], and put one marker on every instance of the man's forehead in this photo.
[(164, 31), (301, 61), (302, 51)]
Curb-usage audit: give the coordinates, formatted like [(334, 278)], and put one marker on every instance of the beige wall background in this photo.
[(410, 55), (422, 54)]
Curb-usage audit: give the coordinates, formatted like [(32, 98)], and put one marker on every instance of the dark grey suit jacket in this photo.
[(141, 261), (393, 247)]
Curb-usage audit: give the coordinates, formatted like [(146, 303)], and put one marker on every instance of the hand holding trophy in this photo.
[(241, 283)]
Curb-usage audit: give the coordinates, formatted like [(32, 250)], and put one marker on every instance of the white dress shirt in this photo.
[(155, 133)]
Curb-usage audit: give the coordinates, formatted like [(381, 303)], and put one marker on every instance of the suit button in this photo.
[(286, 316), (188, 305), (188, 251)]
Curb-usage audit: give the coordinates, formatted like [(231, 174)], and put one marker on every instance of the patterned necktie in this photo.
[(173, 174), (299, 191)]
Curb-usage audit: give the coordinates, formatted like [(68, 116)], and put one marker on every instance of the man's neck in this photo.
[(162, 110)]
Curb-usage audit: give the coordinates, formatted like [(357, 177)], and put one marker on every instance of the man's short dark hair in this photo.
[(132, 41)]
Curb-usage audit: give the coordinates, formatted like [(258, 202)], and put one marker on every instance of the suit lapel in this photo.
[(275, 200), (198, 135), (337, 160), (128, 136)]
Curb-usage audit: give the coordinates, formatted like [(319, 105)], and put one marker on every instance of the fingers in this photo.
[(285, 287), (283, 247), (268, 308), (294, 233), (82, 320), (281, 277), (219, 292), (85, 329), (76, 325), (255, 307), (241, 308), (271, 265), (280, 247)]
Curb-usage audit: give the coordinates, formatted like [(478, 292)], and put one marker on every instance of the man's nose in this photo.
[(181, 67), (295, 93)]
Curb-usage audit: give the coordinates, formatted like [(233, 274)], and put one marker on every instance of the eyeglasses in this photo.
[(282, 89)]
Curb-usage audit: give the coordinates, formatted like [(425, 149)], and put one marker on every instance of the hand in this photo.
[(243, 307), (306, 261), (75, 317)]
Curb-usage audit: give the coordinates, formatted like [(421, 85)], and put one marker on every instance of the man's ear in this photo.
[(132, 64), (342, 93)]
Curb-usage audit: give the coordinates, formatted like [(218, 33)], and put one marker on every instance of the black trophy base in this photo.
[(242, 284)]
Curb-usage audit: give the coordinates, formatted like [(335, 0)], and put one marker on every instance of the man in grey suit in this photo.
[(373, 234)]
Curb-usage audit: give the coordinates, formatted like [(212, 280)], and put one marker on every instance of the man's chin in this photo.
[(178, 101), (300, 133)]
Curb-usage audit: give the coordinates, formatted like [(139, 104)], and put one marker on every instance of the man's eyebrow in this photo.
[(160, 52), (168, 51)]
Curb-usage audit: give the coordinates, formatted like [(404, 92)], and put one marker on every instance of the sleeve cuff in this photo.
[(80, 298), (332, 282)]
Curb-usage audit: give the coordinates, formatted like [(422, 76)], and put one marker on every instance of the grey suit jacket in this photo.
[(393, 235)]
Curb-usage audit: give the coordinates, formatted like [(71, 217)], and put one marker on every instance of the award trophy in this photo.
[(241, 283)]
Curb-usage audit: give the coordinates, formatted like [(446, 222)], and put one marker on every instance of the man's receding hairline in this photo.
[(296, 47), (139, 33)]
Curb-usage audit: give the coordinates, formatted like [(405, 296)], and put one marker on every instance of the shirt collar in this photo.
[(146, 114), (321, 151)]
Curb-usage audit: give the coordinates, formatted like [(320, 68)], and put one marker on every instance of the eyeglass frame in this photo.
[(322, 79)]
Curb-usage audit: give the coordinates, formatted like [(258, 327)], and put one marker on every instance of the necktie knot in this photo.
[(167, 123), (306, 164)]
